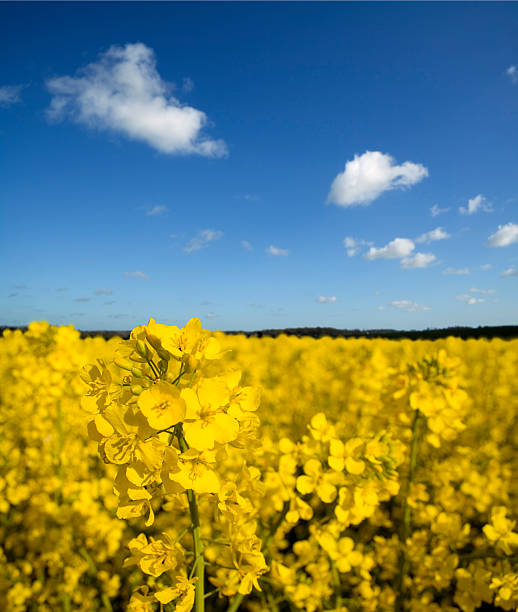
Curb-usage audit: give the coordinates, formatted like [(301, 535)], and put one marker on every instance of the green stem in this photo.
[(406, 526), (236, 602), (199, 564)]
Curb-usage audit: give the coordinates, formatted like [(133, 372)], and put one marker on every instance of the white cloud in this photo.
[(103, 292), (457, 271), (10, 94), (399, 247), (482, 291), (512, 72), (156, 211), (510, 272), (353, 245), (419, 260), (273, 250), (251, 197), (246, 245), (136, 274), (479, 202), (485, 267), (437, 234), (367, 176), (326, 300), (211, 315), (435, 210), (505, 235), (469, 299), (409, 306), (123, 92), (202, 240)]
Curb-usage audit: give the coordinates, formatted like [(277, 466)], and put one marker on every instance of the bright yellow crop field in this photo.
[(184, 470)]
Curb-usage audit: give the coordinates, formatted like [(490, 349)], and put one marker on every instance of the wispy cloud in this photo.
[(509, 273), (273, 250), (395, 249), (10, 94), (136, 274), (409, 306), (124, 93), (367, 176), (505, 235), (470, 299), (156, 211), (103, 291), (327, 300), (456, 271), (435, 210), (82, 299), (419, 260), (246, 245), (477, 203), (187, 84), (485, 267), (482, 291), (437, 234), (353, 245), (512, 73), (251, 197), (109, 302), (202, 240)]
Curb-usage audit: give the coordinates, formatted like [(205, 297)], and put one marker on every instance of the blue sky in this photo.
[(259, 165)]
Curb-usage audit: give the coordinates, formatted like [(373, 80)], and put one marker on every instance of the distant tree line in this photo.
[(506, 332)]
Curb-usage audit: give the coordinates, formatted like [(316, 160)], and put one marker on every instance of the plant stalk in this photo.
[(199, 563)]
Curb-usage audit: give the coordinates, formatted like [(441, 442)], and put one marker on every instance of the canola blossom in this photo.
[(188, 470)]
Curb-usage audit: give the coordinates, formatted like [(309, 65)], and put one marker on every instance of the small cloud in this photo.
[(251, 197), (205, 303), (469, 299), (367, 176), (353, 245), (20, 287), (419, 260), (211, 315), (437, 234), (246, 245), (273, 250), (477, 203), (136, 274), (62, 289), (456, 271), (505, 235), (123, 92), (482, 291), (435, 210), (109, 303), (202, 240), (103, 292), (10, 94), (156, 211), (509, 273), (187, 84), (512, 73), (82, 299), (381, 307), (399, 247), (409, 306), (11, 295), (327, 300), (485, 267)]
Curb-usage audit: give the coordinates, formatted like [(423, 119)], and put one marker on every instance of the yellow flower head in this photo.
[(162, 405)]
